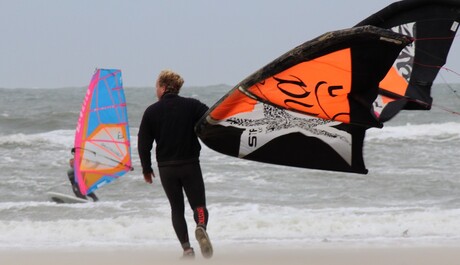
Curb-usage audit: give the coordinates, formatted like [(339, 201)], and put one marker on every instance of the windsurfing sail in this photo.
[(433, 25), (310, 107), (102, 140)]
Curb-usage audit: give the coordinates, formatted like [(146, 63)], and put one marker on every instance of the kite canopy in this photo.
[(102, 141), (433, 25), (311, 106)]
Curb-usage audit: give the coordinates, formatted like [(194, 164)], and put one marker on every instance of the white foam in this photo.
[(57, 137), (245, 223), (442, 131)]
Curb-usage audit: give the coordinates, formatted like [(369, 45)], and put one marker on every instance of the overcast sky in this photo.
[(59, 43)]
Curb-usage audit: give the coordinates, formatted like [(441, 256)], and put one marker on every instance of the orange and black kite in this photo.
[(310, 107)]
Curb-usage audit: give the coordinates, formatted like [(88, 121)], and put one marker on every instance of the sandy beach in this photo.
[(250, 255)]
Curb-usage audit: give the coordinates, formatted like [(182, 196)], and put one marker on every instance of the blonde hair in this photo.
[(171, 81)]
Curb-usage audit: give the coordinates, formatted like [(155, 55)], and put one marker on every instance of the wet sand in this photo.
[(245, 255)]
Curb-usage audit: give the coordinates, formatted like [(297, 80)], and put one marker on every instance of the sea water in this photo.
[(410, 196)]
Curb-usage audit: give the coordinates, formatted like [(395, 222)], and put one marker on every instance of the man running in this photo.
[(170, 122)]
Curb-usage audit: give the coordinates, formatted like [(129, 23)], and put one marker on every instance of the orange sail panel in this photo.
[(233, 104), (319, 87)]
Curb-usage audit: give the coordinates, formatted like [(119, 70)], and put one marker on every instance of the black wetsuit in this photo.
[(170, 123), (76, 189)]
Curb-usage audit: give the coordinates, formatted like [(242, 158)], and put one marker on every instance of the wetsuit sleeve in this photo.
[(201, 110), (145, 142)]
